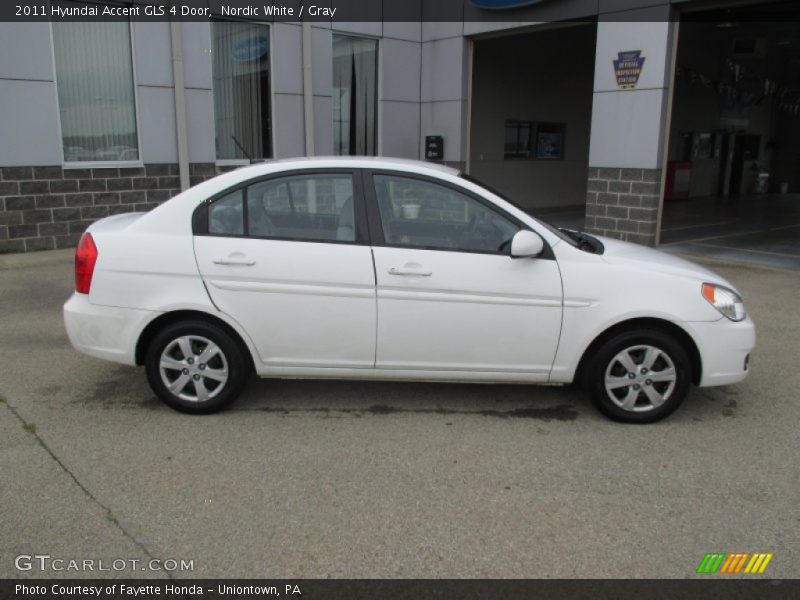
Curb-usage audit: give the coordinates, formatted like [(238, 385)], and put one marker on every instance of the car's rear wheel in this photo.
[(639, 376), (196, 367)]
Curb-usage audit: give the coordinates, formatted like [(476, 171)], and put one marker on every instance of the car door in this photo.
[(450, 297), (287, 257)]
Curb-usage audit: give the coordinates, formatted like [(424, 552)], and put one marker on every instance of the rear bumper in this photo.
[(725, 348), (106, 332)]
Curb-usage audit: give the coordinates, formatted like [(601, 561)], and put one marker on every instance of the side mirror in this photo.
[(526, 244)]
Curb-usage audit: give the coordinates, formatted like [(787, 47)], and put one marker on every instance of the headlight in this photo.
[(725, 301)]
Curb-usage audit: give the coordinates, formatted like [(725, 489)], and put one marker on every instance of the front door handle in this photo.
[(238, 262), (410, 271)]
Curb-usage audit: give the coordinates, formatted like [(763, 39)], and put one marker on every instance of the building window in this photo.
[(355, 62), (241, 90), (526, 139), (550, 141), (518, 139), (96, 99)]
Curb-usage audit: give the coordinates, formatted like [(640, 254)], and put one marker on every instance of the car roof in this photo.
[(349, 162)]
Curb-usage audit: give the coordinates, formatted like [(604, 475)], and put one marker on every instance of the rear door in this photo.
[(287, 257), (450, 297)]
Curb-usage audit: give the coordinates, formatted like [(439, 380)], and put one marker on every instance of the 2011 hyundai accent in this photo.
[(365, 268)]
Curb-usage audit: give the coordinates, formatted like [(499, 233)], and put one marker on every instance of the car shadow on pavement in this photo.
[(361, 398), (126, 388)]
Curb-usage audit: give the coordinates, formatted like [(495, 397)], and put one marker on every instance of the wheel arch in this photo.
[(175, 316), (668, 327)]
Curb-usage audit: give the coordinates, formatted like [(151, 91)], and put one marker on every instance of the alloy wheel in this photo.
[(193, 368), (640, 378)]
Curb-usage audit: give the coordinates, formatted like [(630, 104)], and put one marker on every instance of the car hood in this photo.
[(635, 255)]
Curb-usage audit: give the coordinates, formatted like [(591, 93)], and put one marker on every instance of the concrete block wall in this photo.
[(45, 208), (623, 203)]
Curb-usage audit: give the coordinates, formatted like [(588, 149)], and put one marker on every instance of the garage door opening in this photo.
[(531, 116), (733, 172)]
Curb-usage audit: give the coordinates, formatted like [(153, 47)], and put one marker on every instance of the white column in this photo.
[(629, 126)]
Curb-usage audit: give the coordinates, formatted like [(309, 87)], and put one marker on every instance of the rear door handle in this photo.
[(410, 271), (238, 262)]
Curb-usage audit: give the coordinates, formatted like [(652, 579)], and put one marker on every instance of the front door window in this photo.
[(419, 214)]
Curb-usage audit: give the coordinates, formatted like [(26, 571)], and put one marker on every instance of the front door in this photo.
[(450, 297), (288, 259)]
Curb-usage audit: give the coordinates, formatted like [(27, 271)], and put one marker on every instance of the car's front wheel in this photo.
[(196, 367), (639, 376)]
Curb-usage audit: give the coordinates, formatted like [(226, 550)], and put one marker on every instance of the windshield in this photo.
[(565, 235)]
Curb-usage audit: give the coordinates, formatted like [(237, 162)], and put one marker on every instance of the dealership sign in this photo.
[(627, 68)]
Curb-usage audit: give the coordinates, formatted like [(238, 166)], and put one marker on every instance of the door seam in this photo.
[(375, 289)]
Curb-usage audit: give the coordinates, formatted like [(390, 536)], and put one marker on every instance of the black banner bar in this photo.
[(417, 589), (431, 11)]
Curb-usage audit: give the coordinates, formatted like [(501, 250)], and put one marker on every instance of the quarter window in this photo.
[(421, 214), (96, 100), (226, 215)]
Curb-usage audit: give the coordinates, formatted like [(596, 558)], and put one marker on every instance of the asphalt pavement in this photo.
[(368, 479)]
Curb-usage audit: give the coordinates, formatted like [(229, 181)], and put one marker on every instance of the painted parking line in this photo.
[(730, 235), (740, 249), (784, 227), (684, 227)]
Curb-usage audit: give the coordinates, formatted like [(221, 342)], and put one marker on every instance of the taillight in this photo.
[(85, 259)]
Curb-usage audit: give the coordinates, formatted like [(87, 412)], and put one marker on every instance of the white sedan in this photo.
[(370, 268)]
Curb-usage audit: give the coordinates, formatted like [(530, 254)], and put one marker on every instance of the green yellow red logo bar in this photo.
[(734, 563)]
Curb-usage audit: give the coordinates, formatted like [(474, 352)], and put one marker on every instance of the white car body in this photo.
[(336, 310)]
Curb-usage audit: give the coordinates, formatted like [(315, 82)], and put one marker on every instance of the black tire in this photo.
[(211, 394), (624, 401)]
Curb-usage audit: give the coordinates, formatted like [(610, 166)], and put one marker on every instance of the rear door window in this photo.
[(303, 207)]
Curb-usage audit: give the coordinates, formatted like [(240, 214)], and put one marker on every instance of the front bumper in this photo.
[(725, 348), (106, 332)]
